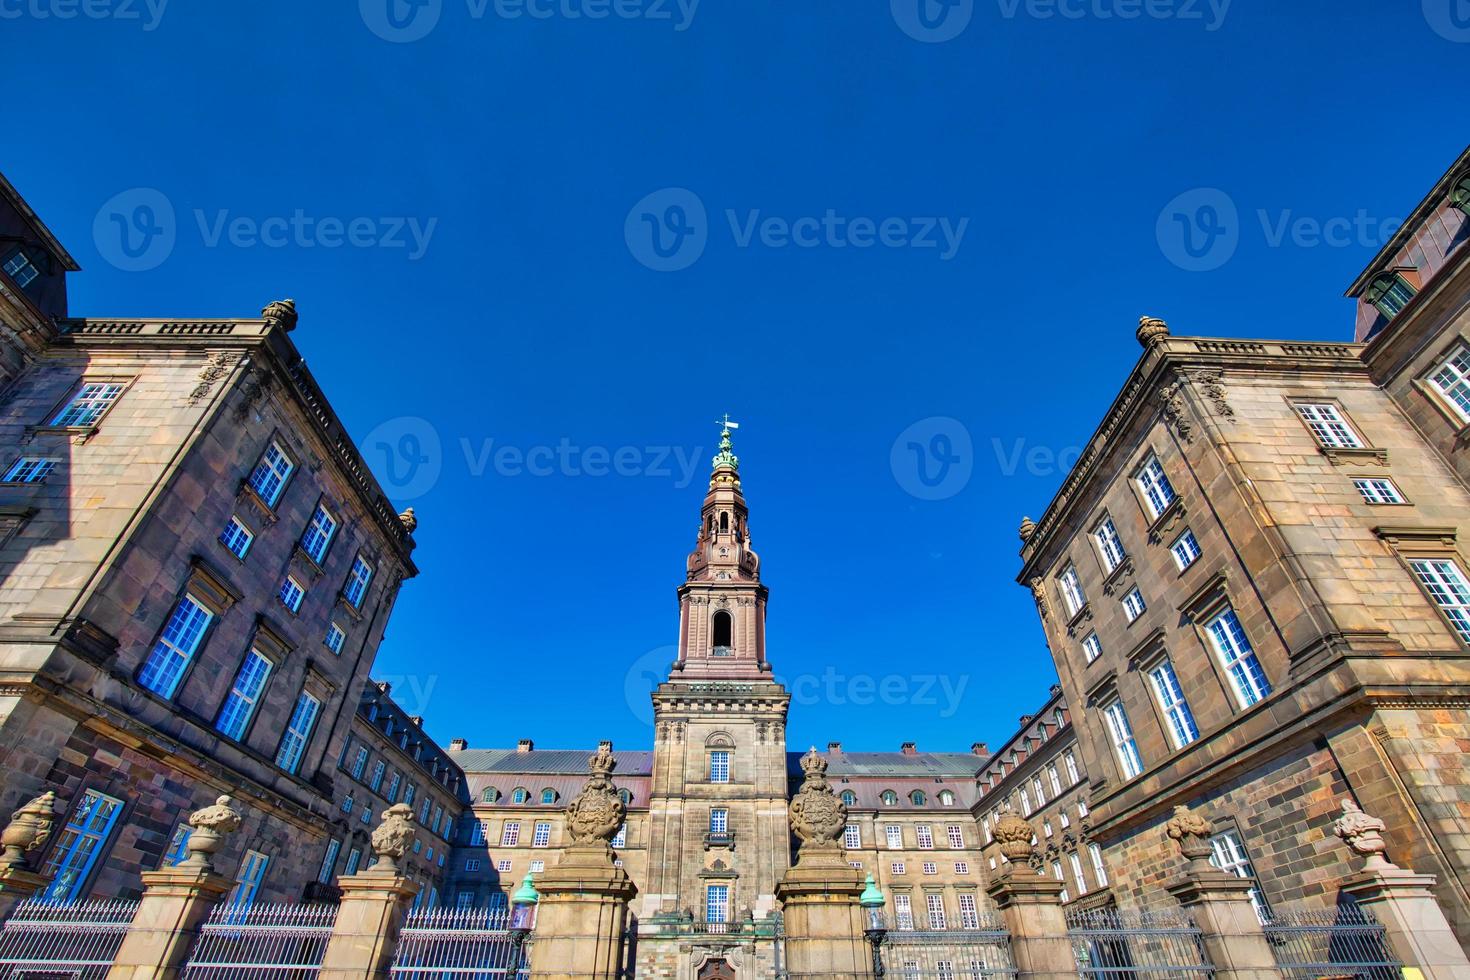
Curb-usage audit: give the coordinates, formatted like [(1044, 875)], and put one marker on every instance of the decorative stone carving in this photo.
[(409, 520), (817, 815), (394, 836), (1192, 833), (216, 367), (1212, 384), (1014, 836), (29, 828), (1364, 834), (1171, 401), (597, 812), (210, 825), (281, 313), (1028, 528), (1038, 592), (1151, 330)]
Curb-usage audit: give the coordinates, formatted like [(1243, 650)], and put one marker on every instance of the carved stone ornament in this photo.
[(29, 828), (817, 816), (210, 824), (394, 836), (281, 313), (1172, 402), (1192, 833), (216, 367), (1212, 384), (1364, 834), (1038, 592), (1151, 330), (597, 812), (1014, 836), (1027, 528), (409, 521)]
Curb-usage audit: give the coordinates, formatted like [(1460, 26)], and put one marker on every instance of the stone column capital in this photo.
[(1210, 886), (1021, 886)]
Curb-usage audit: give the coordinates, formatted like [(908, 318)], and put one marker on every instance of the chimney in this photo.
[(834, 747), (525, 745), (418, 720), (909, 748), (979, 748), (458, 745), (1026, 720)]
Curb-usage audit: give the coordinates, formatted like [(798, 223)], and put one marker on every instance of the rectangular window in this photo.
[(896, 867), (1238, 659), (1076, 862), (1037, 790), (1108, 542), (354, 861), (620, 839), (1099, 869), (465, 900), (244, 696), (298, 732), (935, 904), (717, 903), (29, 469), (318, 534), (1443, 579), (1185, 549), (1158, 492), (1081, 808), (895, 837), (1025, 802), (359, 763), (541, 835), (510, 835), (269, 477), (1091, 647), (379, 768), (291, 594), (1133, 605), (178, 846), (1070, 761), (1179, 720), (92, 399), (719, 767), (925, 836), (1228, 854), (502, 866), (538, 866), (1123, 744), (1375, 490), (719, 821), (335, 638), (357, 582), (1063, 819), (175, 647), (962, 867), (930, 868), (1328, 426), (236, 537), (852, 837), (903, 912), (969, 913), (248, 879), (1056, 871), (1452, 378), (329, 861), (20, 269), (1055, 778), (956, 835), (1071, 589)]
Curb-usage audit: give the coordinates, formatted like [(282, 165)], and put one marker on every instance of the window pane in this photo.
[(175, 647)]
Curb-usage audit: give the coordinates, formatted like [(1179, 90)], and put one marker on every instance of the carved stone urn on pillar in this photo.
[(1030, 904), (374, 905), (29, 829)]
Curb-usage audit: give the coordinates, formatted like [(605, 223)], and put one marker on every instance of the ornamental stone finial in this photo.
[(1151, 330), (394, 836), (817, 816), (1014, 836), (409, 520), (726, 456), (1028, 528), (281, 313), (1192, 833), (1364, 834), (210, 824), (29, 828), (598, 811)]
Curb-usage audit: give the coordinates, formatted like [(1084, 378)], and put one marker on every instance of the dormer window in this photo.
[(519, 795), (1460, 195), (20, 268), (917, 797), (1389, 292), (548, 797), (890, 798), (849, 798)]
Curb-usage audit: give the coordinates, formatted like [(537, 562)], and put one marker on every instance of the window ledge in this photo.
[(1117, 576), (1081, 615), (1166, 520), (79, 433), (1343, 455)]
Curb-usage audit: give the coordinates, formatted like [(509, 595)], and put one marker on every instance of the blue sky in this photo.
[(537, 256)]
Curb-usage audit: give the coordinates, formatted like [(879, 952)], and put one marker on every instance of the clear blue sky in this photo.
[(541, 311)]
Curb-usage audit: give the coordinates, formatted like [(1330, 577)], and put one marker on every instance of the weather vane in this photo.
[(727, 424)]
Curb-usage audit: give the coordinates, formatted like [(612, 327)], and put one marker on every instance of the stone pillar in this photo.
[(176, 901), (1414, 924), (1220, 904), (29, 828), (1031, 906), (374, 906)]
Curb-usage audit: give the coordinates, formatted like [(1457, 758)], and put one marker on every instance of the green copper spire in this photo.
[(725, 457)]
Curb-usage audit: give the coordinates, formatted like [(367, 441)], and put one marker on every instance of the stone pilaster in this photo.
[(1032, 909), (374, 906), (16, 885), (581, 915), (1231, 930), (824, 921), (1417, 931), (174, 905)]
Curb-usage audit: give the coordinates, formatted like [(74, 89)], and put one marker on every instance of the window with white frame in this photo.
[(1038, 791), (956, 835), (1446, 584), (538, 866), (1389, 293), (247, 880), (357, 582), (359, 762), (176, 646), (380, 768), (88, 404), (1091, 647), (1328, 426), (292, 592), (1055, 778), (1133, 605), (852, 836), (894, 836), (298, 732), (1071, 589), (1452, 379), (464, 900), (510, 834), (1185, 549), (1377, 490), (946, 798), (1178, 719), (1076, 861), (81, 843), (930, 868), (896, 867), (969, 913), (925, 837), (903, 912), (269, 477), (1056, 872), (354, 861), (1070, 761), (1025, 802), (1099, 869), (244, 695), (1081, 808), (1237, 658), (335, 637), (329, 861), (1109, 544), (1122, 736), (28, 469), (719, 820), (1063, 819), (19, 267), (719, 766), (477, 830), (962, 867), (1227, 852), (1158, 492), (237, 538), (989, 824), (620, 839), (935, 905), (178, 846), (503, 865), (541, 835), (717, 903), (318, 534)]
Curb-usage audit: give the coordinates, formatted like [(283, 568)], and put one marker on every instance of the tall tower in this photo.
[(718, 836)]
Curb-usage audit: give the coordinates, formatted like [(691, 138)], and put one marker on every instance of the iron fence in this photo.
[(283, 941), (1342, 942), (461, 944), (1142, 944), (73, 941)]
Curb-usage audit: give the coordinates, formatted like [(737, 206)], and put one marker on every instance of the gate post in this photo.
[(374, 906), (1031, 906), (29, 828), (1414, 924), (1234, 939), (176, 901)]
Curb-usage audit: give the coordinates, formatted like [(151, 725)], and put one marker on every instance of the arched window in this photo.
[(917, 797), (890, 798), (723, 630), (490, 795), (946, 798), (1390, 293), (849, 798), (519, 795), (548, 797), (626, 796), (1460, 196)]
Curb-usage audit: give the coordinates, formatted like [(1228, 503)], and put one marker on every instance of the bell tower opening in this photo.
[(722, 634)]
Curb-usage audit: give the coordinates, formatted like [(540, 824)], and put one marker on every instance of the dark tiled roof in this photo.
[(893, 764), (567, 762)]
